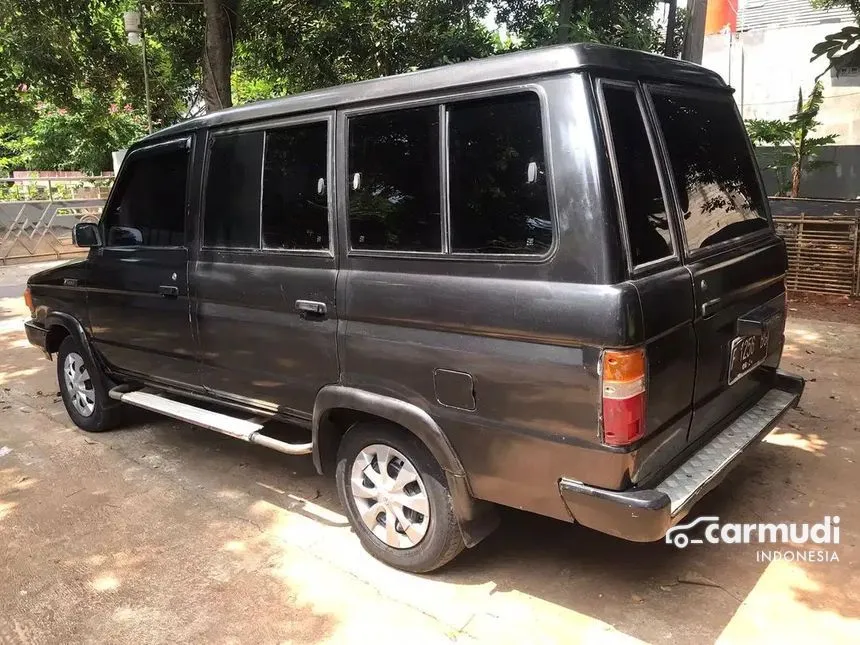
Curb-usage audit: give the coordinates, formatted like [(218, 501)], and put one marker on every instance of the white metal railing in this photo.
[(37, 214)]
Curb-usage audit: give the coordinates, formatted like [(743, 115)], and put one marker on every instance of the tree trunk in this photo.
[(671, 27), (221, 19), (564, 11), (694, 40), (796, 170)]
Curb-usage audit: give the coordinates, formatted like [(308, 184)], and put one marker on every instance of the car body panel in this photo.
[(133, 326)]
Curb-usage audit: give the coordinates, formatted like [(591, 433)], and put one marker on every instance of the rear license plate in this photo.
[(747, 353)]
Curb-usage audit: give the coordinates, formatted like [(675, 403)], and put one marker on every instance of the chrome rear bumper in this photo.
[(646, 514)]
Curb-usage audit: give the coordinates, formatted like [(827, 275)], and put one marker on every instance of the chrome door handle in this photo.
[(311, 307), (168, 291)]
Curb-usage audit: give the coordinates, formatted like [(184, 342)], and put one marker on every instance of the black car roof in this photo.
[(535, 62)]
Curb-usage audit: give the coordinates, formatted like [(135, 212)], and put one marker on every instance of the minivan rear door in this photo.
[(736, 261), (653, 252)]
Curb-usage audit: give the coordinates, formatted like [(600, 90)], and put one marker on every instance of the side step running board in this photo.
[(246, 430)]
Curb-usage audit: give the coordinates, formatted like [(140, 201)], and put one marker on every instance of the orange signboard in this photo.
[(722, 14)]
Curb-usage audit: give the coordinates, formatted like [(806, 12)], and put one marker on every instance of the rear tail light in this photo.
[(28, 300), (623, 392)]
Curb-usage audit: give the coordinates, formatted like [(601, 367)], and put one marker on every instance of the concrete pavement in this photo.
[(160, 532)]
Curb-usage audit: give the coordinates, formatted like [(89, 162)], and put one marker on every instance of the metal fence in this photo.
[(822, 253), (37, 215)]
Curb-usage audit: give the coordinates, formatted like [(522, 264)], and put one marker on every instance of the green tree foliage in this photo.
[(80, 140), (300, 46), (626, 23), (793, 150), (66, 66), (67, 62), (843, 45), (59, 48)]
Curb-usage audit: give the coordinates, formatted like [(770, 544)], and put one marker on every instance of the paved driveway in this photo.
[(161, 532)]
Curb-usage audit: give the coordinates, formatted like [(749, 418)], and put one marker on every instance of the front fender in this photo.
[(76, 329)]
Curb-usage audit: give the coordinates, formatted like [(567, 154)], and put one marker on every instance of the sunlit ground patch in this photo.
[(808, 443)]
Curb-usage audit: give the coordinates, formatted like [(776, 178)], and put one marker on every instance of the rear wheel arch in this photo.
[(337, 408)]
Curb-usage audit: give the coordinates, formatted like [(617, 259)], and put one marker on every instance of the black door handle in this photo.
[(168, 291), (311, 308)]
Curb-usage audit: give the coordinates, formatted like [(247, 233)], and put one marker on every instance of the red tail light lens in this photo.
[(623, 402), (28, 300)]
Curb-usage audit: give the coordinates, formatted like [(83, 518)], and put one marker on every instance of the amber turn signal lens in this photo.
[(28, 299), (623, 365)]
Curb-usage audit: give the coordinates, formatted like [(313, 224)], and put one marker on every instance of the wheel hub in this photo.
[(390, 496), (78, 385)]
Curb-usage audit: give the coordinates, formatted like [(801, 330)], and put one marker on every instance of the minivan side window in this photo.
[(231, 216), (635, 170), (717, 182), (295, 175), (149, 209), (394, 197), (497, 190)]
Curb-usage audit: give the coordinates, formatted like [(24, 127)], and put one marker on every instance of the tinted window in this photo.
[(498, 195), (232, 207), (394, 181), (295, 205), (150, 210), (642, 199), (716, 176)]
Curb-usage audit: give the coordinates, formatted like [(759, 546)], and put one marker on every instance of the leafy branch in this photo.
[(793, 151)]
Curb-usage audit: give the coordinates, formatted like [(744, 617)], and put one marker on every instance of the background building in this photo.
[(763, 49)]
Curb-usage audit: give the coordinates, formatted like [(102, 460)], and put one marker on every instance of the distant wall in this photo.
[(788, 207), (768, 66), (839, 181)]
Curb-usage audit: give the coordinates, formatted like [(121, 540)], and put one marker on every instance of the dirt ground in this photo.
[(164, 533)]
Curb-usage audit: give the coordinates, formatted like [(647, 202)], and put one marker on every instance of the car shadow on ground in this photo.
[(648, 591)]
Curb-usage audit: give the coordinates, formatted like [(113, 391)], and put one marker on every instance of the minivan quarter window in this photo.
[(641, 197), (231, 215), (498, 196), (295, 188), (393, 181), (718, 186), (149, 208)]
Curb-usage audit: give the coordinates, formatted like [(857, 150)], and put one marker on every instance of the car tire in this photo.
[(419, 542), (81, 385)]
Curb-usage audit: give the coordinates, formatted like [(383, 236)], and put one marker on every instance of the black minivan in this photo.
[(547, 280)]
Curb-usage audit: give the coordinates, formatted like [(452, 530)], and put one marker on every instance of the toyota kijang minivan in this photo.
[(547, 280)]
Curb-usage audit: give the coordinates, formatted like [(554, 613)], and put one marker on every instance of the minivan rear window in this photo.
[(717, 182)]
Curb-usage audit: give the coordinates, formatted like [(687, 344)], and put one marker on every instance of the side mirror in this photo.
[(86, 235)]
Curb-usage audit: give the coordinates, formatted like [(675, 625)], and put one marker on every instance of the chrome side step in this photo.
[(244, 429)]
